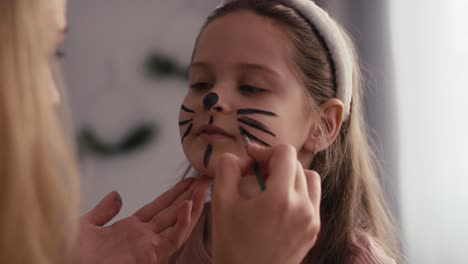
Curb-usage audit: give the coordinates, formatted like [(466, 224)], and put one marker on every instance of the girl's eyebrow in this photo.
[(259, 67), (200, 65), (243, 66)]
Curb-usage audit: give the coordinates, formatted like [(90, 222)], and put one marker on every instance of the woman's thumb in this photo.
[(228, 177), (105, 210)]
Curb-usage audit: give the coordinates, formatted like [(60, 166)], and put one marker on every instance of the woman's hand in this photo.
[(151, 235), (279, 225)]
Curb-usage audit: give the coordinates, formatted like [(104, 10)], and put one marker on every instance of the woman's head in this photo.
[(252, 63), (264, 67), (55, 29), (38, 177)]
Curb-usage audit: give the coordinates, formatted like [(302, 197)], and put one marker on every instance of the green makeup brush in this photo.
[(256, 166)]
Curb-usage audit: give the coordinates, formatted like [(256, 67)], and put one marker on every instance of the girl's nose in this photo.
[(213, 102), (210, 100)]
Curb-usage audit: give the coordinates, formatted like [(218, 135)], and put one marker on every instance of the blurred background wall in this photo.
[(111, 93), (414, 57)]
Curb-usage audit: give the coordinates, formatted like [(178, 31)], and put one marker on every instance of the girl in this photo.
[(283, 72)]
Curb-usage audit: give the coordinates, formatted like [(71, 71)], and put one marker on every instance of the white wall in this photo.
[(431, 44), (106, 47)]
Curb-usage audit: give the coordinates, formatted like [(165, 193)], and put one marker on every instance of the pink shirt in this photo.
[(195, 252)]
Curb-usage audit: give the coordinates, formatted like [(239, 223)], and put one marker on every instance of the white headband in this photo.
[(335, 42)]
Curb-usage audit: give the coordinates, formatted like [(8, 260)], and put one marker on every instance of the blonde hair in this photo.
[(352, 200), (38, 179)]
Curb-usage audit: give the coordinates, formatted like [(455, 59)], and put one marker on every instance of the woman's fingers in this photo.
[(259, 153), (278, 163), (300, 184), (168, 217), (314, 186), (105, 210), (282, 167), (249, 187), (147, 212), (171, 239), (228, 176), (198, 197)]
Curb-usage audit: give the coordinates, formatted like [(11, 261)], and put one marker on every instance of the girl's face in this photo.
[(242, 83)]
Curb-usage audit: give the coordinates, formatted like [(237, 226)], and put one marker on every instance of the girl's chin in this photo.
[(209, 169), (209, 172)]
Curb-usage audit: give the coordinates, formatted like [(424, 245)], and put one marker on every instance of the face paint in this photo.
[(210, 100), (185, 109), (207, 157), (250, 111), (189, 129), (244, 119), (185, 122), (254, 123), (243, 131)]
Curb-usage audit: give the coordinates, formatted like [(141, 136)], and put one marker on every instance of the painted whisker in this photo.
[(252, 137), (208, 152), (187, 132), (255, 124), (252, 111), (183, 123), (185, 109)]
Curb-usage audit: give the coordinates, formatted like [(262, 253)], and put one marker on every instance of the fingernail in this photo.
[(118, 198), (246, 141)]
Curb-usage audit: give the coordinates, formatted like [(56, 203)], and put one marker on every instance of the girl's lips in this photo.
[(213, 133), (214, 137)]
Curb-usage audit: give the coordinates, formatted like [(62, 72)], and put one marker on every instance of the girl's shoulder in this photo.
[(368, 251)]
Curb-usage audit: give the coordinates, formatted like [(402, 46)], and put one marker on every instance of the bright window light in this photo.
[(431, 55)]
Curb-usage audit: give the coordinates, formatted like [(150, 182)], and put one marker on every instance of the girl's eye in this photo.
[(201, 86), (248, 89)]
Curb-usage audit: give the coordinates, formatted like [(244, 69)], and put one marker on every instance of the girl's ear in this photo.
[(325, 131)]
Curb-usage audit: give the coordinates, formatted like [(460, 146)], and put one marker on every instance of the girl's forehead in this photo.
[(244, 37)]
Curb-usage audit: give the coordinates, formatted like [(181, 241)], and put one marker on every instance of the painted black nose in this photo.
[(210, 100)]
